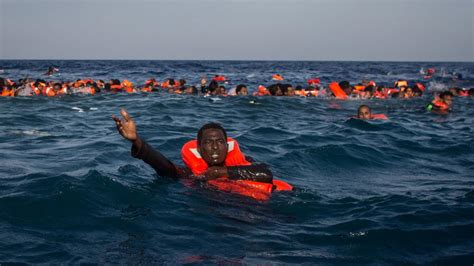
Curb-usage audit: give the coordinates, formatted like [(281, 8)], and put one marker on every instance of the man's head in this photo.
[(212, 144), (447, 98), (364, 112), (241, 90)]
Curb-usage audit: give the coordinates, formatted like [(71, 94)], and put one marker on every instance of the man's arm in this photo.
[(140, 149), (256, 172), (162, 165)]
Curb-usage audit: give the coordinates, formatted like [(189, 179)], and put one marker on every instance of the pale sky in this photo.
[(366, 30)]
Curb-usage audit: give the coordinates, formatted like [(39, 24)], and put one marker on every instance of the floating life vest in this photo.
[(314, 81), (420, 86), (219, 78), (256, 190), (337, 90), (277, 77)]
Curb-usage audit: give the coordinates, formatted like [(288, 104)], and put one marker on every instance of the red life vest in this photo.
[(338, 91), (219, 78), (256, 190), (277, 77), (314, 81), (379, 116), (440, 105)]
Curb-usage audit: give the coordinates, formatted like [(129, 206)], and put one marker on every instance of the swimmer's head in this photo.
[(364, 112), (241, 90), (454, 91), (57, 86), (289, 91), (447, 98), (191, 90), (212, 144)]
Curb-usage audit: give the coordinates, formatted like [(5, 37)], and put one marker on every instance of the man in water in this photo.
[(211, 145), (51, 71), (441, 103)]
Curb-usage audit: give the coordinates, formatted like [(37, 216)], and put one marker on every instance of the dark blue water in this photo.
[(380, 192)]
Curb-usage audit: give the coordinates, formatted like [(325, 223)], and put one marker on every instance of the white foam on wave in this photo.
[(93, 109), (31, 133), (437, 86), (78, 109)]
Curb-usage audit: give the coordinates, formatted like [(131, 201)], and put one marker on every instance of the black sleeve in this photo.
[(155, 159), (257, 172)]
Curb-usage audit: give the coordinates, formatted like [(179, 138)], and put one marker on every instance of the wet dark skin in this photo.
[(213, 150)]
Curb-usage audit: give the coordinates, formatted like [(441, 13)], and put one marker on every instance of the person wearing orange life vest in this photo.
[(364, 112), (212, 147), (441, 103)]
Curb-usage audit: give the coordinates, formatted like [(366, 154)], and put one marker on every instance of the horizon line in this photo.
[(241, 60)]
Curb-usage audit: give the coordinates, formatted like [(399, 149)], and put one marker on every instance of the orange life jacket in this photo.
[(256, 190), (337, 90), (261, 91), (50, 92), (219, 78), (359, 87), (314, 81), (8, 93), (36, 90), (277, 77), (379, 116), (380, 95), (302, 93), (400, 83), (420, 86), (441, 105), (116, 87)]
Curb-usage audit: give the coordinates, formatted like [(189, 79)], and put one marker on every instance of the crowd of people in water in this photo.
[(217, 86)]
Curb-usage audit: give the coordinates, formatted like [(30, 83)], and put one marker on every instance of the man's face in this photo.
[(213, 147), (364, 113), (448, 100), (243, 91)]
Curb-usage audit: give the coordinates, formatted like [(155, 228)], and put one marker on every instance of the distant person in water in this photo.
[(241, 90), (364, 112), (51, 71), (441, 103), (212, 147)]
